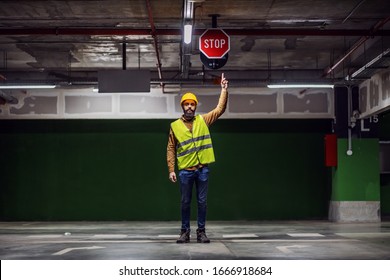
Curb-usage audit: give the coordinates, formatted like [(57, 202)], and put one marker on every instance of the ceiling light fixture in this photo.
[(21, 86), (300, 86), (187, 33), (381, 62)]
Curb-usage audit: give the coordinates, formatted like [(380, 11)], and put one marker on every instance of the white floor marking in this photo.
[(243, 235), (110, 236), (364, 234), (291, 241), (286, 249), (45, 236), (168, 235), (305, 234), (67, 250)]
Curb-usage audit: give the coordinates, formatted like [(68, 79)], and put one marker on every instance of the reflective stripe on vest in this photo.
[(193, 148)]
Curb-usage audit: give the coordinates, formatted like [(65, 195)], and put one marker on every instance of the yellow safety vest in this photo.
[(193, 148)]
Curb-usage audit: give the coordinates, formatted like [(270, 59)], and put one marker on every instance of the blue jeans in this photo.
[(187, 179)]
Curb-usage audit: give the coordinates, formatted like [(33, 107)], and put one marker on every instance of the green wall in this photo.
[(116, 170), (356, 177)]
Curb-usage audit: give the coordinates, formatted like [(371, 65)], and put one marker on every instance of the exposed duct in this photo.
[(357, 45), (8, 98)]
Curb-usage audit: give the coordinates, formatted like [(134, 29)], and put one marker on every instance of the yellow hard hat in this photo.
[(189, 96)]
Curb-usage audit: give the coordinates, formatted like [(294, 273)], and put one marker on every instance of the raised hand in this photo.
[(224, 82)]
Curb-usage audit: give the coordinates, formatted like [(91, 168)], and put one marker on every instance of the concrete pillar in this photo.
[(356, 178)]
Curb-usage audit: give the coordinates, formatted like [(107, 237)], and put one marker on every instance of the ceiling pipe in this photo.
[(360, 42), (124, 59), (154, 35), (353, 11), (178, 31)]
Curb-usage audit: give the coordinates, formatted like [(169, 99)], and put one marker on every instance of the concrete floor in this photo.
[(276, 240)]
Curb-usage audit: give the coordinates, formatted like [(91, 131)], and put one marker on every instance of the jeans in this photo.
[(187, 179)]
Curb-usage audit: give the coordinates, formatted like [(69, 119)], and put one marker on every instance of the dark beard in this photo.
[(189, 114)]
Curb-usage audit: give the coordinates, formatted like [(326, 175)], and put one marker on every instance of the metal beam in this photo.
[(177, 31)]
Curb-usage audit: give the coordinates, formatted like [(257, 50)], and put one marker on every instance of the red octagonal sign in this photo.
[(214, 43)]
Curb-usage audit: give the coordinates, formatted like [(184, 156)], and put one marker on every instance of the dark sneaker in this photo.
[(201, 236), (184, 236)]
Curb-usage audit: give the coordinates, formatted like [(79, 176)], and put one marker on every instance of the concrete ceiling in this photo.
[(67, 42)]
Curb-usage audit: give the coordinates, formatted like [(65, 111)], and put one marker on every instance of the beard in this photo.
[(189, 114)]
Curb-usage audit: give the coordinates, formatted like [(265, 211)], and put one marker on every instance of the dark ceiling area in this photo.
[(68, 42)]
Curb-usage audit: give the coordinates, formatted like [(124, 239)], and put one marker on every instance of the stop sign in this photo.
[(214, 43)]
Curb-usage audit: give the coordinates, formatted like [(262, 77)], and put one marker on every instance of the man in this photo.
[(190, 143)]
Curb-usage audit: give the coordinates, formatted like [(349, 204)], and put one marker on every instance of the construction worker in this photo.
[(190, 144)]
